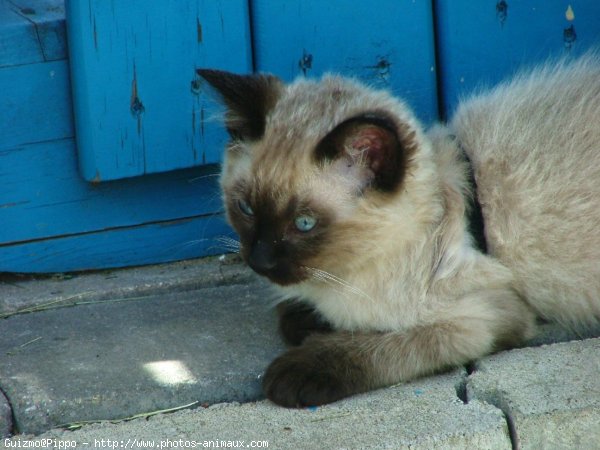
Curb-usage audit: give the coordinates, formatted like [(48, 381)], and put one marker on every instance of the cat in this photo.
[(359, 218)]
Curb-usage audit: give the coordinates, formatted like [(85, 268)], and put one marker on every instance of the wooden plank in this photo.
[(148, 244), (44, 196), (35, 104), (19, 43), (386, 43), (48, 19), (139, 106), (481, 43)]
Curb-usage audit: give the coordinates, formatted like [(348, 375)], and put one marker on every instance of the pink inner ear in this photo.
[(368, 147)]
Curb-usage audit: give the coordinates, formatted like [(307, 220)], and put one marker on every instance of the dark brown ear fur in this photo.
[(373, 142), (248, 98)]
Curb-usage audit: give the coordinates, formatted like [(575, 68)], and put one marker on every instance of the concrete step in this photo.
[(424, 414), (532, 398), (113, 345), (550, 394), (119, 352)]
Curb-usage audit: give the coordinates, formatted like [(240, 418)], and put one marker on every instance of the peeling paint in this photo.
[(13, 204), (196, 86), (501, 12), (198, 31), (569, 36), (97, 178), (95, 35), (569, 14), (202, 122), (135, 105), (305, 62), (381, 68)]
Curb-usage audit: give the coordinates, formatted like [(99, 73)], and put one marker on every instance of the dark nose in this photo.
[(262, 257)]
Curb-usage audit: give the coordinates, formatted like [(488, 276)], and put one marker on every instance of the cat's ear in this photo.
[(372, 148), (248, 98)]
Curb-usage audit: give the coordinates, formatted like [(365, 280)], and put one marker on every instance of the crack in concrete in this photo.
[(461, 386), (512, 430), (494, 399), (12, 424)]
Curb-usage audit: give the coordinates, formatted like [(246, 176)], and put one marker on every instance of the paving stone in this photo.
[(109, 360), (550, 394), (424, 414)]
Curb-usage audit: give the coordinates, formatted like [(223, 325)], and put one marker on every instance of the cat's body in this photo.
[(345, 203)]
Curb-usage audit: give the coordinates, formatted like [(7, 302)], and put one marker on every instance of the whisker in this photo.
[(329, 276), (331, 279), (228, 242), (225, 243), (201, 177), (187, 244)]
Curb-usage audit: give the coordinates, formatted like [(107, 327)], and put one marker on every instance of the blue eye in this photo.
[(245, 207), (305, 223)]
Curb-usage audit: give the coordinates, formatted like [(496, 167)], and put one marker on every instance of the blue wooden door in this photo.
[(139, 108), (482, 42), (388, 44)]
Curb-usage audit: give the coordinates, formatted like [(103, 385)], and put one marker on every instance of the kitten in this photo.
[(359, 217)]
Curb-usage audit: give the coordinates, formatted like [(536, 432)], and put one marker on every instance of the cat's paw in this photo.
[(297, 320), (309, 376)]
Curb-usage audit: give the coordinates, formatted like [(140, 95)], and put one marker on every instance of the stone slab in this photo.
[(424, 414), (550, 394), (114, 359), (22, 291)]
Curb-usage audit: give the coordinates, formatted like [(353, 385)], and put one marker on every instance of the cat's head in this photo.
[(309, 167)]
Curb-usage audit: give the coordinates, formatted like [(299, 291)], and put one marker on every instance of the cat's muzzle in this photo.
[(270, 260)]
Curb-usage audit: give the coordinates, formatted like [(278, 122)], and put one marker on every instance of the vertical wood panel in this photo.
[(139, 107), (386, 43), (483, 42)]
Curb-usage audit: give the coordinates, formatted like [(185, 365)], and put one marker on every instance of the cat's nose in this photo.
[(262, 257)]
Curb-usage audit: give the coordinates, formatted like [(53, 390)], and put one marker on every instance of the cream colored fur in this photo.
[(535, 147)]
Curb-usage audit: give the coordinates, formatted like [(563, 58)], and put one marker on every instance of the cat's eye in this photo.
[(305, 223), (245, 207)]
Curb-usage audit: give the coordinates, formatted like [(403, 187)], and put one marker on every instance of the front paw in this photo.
[(309, 376), (298, 320)]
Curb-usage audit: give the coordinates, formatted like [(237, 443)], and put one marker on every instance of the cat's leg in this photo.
[(328, 367), (298, 319)]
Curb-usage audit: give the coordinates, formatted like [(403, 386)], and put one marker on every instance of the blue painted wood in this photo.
[(52, 220), (44, 196), (48, 19), (388, 44), (147, 244), (35, 104), (19, 43), (139, 106), (483, 42)]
